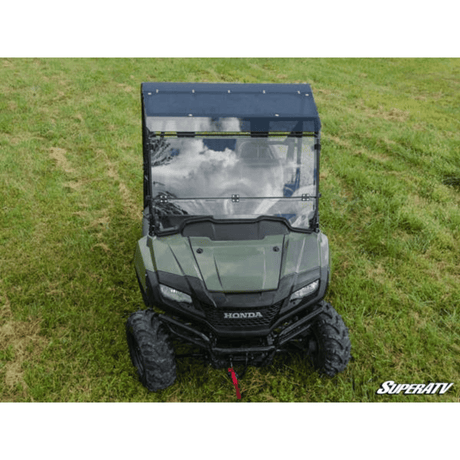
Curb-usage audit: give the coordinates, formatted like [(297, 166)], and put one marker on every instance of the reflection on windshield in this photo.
[(220, 167), (234, 177), (194, 124)]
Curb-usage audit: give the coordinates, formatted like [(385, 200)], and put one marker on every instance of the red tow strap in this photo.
[(232, 373)]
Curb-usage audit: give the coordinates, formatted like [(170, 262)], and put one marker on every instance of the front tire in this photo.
[(151, 350), (328, 344)]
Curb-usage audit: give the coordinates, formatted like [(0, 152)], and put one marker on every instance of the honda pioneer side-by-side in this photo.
[(232, 260)]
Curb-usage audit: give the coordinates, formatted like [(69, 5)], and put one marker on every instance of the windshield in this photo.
[(233, 177)]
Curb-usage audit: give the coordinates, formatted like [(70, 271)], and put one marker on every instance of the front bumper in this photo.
[(254, 351), (237, 316)]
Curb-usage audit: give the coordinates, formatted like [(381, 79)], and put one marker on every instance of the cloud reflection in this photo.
[(249, 167)]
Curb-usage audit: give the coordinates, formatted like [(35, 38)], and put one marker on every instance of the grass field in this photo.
[(70, 214)]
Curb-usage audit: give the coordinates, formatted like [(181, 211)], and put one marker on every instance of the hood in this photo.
[(237, 266)]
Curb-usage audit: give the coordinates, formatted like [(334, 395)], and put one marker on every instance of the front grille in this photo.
[(216, 316)]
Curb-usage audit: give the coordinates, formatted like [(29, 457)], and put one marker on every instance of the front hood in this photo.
[(238, 266)]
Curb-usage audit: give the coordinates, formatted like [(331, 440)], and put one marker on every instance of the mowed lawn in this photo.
[(70, 216)]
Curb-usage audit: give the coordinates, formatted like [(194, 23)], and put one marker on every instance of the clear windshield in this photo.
[(233, 177)]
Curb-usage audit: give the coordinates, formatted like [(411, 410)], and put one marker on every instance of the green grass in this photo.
[(70, 210)]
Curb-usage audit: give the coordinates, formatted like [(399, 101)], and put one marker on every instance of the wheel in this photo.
[(328, 344), (151, 350)]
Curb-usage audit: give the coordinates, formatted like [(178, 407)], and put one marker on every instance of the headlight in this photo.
[(174, 294), (307, 290)]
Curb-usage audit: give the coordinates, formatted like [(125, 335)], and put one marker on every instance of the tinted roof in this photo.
[(267, 107)]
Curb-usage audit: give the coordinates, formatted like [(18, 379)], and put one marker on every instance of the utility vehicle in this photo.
[(232, 260)]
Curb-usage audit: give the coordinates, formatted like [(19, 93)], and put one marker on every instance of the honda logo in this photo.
[(252, 314)]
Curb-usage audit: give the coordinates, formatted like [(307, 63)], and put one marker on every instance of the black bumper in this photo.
[(239, 350), (240, 316)]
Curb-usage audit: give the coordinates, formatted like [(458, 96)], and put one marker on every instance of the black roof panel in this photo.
[(256, 103)]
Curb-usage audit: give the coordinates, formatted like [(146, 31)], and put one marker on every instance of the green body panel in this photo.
[(324, 251), (173, 254), (143, 260), (301, 253), (233, 266)]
